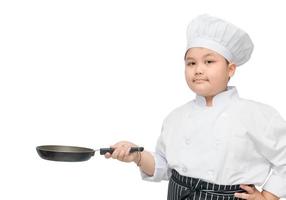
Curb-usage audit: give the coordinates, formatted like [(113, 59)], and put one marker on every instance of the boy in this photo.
[(217, 145)]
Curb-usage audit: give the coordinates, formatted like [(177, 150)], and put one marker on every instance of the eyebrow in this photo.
[(209, 54)]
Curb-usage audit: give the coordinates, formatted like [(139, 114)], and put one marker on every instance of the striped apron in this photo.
[(188, 188)]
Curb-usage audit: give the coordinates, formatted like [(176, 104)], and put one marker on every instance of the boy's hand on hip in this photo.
[(254, 194)]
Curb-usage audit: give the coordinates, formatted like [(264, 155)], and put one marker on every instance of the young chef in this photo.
[(218, 145)]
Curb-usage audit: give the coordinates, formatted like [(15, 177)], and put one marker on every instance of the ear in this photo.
[(231, 69)]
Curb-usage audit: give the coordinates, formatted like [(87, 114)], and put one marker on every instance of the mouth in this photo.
[(199, 80)]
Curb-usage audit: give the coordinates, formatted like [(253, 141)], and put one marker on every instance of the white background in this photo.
[(91, 73)]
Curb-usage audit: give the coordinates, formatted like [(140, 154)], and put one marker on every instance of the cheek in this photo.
[(218, 78), (188, 74)]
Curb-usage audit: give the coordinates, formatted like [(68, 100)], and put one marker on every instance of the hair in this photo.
[(227, 62)]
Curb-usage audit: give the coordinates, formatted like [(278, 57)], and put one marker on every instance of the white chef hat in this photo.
[(220, 36)]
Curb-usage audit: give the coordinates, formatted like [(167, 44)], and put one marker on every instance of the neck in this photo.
[(209, 101)]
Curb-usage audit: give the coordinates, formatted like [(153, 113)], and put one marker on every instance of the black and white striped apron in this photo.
[(188, 188)]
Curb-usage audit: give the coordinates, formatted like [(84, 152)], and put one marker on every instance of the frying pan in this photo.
[(73, 153)]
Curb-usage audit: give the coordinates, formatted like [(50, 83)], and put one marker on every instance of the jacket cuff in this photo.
[(161, 170), (276, 184)]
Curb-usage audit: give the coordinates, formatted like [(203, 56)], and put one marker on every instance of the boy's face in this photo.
[(207, 72)]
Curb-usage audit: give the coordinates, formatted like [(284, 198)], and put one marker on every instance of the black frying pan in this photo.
[(72, 153)]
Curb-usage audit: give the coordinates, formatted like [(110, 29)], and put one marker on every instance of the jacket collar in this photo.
[(222, 98)]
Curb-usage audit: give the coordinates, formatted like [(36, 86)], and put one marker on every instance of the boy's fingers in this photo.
[(114, 155), (124, 154), (118, 153), (242, 195), (248, 189), (107, 155), (121, 155), (127, 151)]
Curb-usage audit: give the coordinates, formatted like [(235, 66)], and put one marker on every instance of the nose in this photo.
[(198, 69)]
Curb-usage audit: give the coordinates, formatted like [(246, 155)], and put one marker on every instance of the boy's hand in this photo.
[(121, 152), (254, 194)]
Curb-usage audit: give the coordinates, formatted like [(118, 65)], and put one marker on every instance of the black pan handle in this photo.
[(110, 150)]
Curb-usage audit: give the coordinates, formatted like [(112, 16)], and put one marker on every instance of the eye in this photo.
[(209, 61), (190, 63)]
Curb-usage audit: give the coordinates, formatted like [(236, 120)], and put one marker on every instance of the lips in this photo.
[(199, 80)]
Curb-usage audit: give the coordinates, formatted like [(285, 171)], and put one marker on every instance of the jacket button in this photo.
[(217, 143), (224, 115), (188, 141)]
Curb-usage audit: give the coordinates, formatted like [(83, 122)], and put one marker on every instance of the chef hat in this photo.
[(220, 36)]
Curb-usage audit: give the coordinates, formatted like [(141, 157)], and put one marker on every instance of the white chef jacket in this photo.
[(235, 141)]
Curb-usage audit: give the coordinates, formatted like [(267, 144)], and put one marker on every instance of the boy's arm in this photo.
[(146, 162), (269, 195), (270, 143)]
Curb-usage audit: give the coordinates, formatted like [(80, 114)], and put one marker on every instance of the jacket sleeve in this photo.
[(272, 145), (162, 171)]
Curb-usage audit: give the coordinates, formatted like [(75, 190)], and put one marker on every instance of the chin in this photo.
[(202, 91), (204, 94)]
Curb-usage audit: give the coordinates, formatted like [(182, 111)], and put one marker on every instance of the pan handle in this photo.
[(110, 150)]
